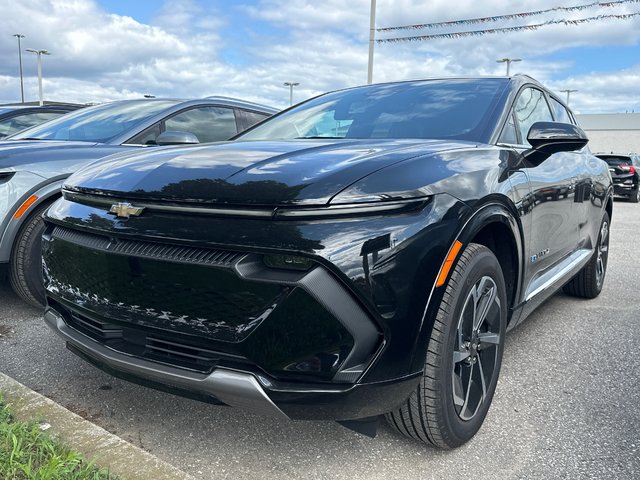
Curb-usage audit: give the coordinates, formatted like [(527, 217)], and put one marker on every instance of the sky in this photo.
[(103, 50)]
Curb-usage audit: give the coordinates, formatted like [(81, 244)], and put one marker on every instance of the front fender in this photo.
[(499, 210), (45, 189)]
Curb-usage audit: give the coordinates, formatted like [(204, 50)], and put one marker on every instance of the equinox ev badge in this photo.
[(125, 210)]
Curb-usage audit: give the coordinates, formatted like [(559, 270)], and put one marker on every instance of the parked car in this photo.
[(625, 171), (14, 118), (362, 253), (35, 162)]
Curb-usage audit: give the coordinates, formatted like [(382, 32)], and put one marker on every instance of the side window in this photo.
[(252, 118), (509, 134), (559, 112), (531, 107), (209, 124), (147, 136)]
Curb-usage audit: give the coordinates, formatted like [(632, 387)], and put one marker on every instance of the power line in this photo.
[(510, 16), (475, 33)]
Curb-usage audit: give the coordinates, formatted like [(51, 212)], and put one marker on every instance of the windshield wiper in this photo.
[(317, 137)]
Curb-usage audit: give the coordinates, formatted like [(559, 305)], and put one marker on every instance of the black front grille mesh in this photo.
[(153, 250), (137, 341)]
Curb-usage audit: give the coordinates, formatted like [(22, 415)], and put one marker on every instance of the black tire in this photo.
[(589, 281), (25, 266), (635, 196), (432, 413)]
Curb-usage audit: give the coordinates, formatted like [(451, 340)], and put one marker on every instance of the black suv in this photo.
[(625, 171), (362, 253)]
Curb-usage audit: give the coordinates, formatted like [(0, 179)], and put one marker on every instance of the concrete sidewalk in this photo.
[(126, 461)]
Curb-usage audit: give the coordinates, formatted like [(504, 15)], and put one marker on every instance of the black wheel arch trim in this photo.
[(496, 210)]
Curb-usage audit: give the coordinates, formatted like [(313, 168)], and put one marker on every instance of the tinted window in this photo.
[(530, 108), (615, 161), (254, 117), (100, 123), (209, 124), (147, 136), (509, 134), (559, 112), (15, 124), (458, 109)]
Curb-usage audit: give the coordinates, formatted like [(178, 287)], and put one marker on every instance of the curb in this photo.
[(107, 450)]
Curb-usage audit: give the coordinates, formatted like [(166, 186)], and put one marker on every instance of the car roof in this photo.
[(212, 100), (170, 106), (37, 108)]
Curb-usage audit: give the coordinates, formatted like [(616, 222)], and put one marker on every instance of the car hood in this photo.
[(294, 172), (20, 153)]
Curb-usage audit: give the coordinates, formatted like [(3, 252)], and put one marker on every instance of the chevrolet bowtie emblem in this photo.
[(125, 210)]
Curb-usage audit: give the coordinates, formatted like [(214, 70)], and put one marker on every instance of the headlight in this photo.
[(353, 209)]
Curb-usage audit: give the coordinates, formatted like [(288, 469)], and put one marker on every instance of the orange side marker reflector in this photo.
[(448, 263), (25, 206)]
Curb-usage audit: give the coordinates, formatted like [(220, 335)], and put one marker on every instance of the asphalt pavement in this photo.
[(567, 403)]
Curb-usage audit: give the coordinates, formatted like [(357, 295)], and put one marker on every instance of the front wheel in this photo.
[(25, 272), (464, 355)]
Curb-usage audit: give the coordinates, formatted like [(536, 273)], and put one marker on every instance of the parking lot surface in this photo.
[(567, 403)]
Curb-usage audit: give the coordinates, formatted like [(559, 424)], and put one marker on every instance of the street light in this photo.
[(568, 93), (291, 85), (509, 61), (372, 40), (19, 36), (39, 53)]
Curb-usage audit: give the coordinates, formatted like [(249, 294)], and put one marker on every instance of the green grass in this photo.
[(28, 453)]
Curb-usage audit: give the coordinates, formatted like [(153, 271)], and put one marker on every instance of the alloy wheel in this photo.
[(475, 356), (603, 253)]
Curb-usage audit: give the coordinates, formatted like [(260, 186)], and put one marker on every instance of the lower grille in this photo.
[(142, 343)]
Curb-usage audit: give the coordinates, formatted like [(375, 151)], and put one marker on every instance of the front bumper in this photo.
[(169, 300), (242, 389)]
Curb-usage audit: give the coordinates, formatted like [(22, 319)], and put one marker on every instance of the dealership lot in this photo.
[(566, 404)]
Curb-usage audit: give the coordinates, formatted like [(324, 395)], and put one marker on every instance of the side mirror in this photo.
[(175, 137), (554, 137)]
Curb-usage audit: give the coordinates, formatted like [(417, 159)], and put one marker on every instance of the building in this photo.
[(612, 132)]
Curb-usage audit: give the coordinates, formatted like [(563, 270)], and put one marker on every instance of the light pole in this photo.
[(291, 85), (19, 36), (509, 61), (568, 93), (39, 53), (372, 41)]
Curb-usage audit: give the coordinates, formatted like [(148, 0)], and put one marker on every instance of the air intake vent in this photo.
[(153, 250)]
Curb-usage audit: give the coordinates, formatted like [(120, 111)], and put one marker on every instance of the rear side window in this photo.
[(559, 112), (209, 124), (531, 107), (253, 117)]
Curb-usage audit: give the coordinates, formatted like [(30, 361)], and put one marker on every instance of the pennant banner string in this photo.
[(505, 17), (475, 33)]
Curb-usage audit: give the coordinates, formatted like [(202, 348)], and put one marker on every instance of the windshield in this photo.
[(97, 124), (458, 108)]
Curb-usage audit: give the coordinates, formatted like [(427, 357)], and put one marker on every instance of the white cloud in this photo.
[(191, 49)]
